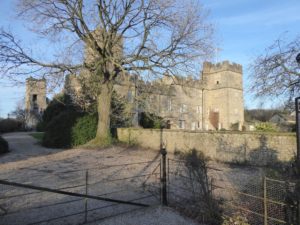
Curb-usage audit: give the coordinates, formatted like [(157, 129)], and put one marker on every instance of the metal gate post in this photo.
[(297, 109), (164, 200), (86, 192), (265, 201)]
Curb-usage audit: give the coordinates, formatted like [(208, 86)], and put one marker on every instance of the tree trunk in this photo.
[(103, 136)]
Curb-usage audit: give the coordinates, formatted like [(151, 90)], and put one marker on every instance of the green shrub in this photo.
[(267, 127), (41, 126), (59, 131), (121, 113), (38, 136), (9, 125), (84, 129), (60, 104), (3, 145), (149, 120)]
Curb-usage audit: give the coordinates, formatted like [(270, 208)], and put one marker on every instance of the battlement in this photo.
[(35, 85), (222, 66), (188, 81), (33, 80)]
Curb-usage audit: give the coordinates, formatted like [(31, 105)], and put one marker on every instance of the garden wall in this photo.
[(257, 148)]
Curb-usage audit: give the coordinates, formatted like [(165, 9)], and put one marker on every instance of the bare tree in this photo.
[(19, 113), (117, 36), (276, 72)]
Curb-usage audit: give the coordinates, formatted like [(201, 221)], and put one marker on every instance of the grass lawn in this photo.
[(38, 136)]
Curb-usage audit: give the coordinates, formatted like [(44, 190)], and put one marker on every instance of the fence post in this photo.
[(298, 211), (164, 176), (265, 202), (86, 192), (168, 180)]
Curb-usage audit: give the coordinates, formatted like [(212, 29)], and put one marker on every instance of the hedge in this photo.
[(3, 145), (84, 129), (59, 130), (9, 125)]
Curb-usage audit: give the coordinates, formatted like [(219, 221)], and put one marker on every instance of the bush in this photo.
[(59, 131), (65, 127), (9, 125), (84, 129), (267, 127), (3, 145), (60, 104), (121, 113), (41, 126), (149, 120)]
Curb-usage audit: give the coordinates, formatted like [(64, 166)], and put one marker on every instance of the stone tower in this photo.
[(35, 101), (223, 96)]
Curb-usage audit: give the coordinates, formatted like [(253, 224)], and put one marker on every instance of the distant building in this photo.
[(35, 101)]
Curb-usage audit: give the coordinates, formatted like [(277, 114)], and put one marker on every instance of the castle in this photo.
[(35, 101), (212, 102)]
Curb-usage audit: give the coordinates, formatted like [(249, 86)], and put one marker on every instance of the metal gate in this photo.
[(80, 196)]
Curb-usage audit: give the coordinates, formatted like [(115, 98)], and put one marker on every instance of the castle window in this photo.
[(193, 127), (34, 106), (217, 82), (169, 105), (199, 109), (181, 124), (183, 108), (34, 98)]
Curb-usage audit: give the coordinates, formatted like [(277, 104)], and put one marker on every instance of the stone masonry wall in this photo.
[(255, 148)]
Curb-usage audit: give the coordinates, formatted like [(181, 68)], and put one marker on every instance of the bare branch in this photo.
[(276, 72)]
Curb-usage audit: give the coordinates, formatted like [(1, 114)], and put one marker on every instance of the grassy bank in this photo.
[(38, 136)]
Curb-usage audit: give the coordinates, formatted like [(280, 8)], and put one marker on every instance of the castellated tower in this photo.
[(35, 101), (223, 96)]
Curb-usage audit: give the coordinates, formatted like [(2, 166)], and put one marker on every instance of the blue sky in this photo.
[(244, 28)]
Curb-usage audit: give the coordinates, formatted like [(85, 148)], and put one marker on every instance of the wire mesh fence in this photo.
[(190, 193), (79, 196), (258, 200), (261, 201)]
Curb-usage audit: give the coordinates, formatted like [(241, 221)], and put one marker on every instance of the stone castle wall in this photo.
[(254, 148), (35, 101), (222, 66), (35, 87), (189, 103)]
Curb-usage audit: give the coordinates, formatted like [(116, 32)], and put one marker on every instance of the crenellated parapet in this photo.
[(188, 81), (222, 66)]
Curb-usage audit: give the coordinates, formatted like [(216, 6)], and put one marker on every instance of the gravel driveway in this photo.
[(108, 169), (129, 174)]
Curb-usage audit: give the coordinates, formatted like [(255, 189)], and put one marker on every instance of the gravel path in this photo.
[(30, 163), (129, 174), (23, 150), (150, 216)]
